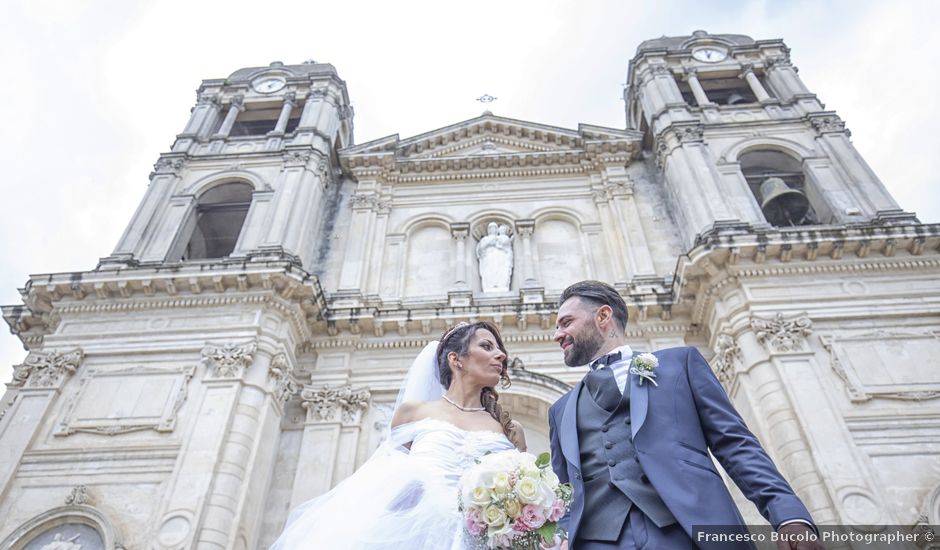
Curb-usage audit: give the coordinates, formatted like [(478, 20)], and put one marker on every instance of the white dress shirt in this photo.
[(621, 368)]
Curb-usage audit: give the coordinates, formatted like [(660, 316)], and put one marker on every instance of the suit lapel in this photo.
[(569, 428), (639, 403)]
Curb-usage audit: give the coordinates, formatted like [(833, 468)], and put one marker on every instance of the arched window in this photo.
[(219, 216), (777, 181)]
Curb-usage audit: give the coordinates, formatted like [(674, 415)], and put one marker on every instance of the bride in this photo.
[(405, 495)]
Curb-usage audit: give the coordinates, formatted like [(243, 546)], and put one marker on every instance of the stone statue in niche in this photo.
[(60, 543), (494, 253)]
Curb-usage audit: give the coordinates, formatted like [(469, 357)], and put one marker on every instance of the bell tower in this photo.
[(737, 138), (246, 178), (159, 380)]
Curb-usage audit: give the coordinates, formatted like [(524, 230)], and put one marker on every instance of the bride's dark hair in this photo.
[(457, 339)]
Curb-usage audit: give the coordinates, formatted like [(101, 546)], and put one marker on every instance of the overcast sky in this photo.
[(96, 90)]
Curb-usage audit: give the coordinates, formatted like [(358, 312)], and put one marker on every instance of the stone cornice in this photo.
[(47, 297), (728, 255)]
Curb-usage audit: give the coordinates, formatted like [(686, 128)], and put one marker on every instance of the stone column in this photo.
[(236, 106), (202, 115), (747, 73), (199, 509), (857, 182), (636, 251), (761, 349), (525, 228), (356, 257), (691, 76), (289, 101), (162, 185), (330, 439), (460, 231), (36, 383)]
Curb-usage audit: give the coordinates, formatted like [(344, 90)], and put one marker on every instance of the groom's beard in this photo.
[(584, 347)]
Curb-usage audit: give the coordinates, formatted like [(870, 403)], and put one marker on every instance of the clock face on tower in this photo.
[(709, 54), (268, 84)]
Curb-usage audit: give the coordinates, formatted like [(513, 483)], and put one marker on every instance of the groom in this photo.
[(634, 443)]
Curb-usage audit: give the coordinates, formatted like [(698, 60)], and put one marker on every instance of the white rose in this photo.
[(528, 490), (494, 516), (501, 483), (481, 496), (549, 477)]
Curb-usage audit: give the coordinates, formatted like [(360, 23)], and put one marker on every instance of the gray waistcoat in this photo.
[(613, 478)]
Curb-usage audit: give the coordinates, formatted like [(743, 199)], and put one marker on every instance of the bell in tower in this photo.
[(782, 205)]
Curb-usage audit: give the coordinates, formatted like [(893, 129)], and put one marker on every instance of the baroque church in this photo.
[(241, 349)]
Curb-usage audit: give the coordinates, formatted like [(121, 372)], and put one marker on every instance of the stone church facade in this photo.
[(240, 350)]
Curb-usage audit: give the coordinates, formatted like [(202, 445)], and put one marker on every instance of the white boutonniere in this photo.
[(643, 366)]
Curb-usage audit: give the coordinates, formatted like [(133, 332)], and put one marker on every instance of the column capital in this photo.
[(284, 384), (238, 102), (781, 334), (746, 68), (460, 230), (525, 227), (229, 360), (334, 405), (290, 97), (209, 99), (688, 73), (47, 369)]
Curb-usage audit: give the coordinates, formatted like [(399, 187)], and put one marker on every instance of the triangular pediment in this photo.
[(491, 136), (488, 134)]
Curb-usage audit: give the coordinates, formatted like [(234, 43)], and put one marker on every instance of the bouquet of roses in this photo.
[(512, 500)]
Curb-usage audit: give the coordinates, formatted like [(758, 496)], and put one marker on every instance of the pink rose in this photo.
[(475, 527), (520, 526), (557, 510), (532, 516)]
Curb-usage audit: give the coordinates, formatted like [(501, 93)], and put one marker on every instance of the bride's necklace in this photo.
[(461, 407)]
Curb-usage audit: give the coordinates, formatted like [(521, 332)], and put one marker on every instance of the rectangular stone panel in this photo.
[(124, 400)]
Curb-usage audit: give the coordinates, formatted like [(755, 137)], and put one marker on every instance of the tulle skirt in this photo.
[(394, 501)]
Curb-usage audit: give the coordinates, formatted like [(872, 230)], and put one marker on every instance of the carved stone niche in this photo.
[(117, 401), (886, 364), (71, 527)]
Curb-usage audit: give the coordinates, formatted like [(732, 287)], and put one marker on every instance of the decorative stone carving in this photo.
[(777, 61), (782, 335), (168, 165), (494, 253), (687, 134), (78, 496), (827, 124), (8, 406), (361, 201), (863, 384), (342, 404), (297, 157), (47, 369), (228, 360), (726, 352), (209, 99), (282, 373), (97, 407)]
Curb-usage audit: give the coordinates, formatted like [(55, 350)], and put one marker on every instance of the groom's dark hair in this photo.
[(598, 294)]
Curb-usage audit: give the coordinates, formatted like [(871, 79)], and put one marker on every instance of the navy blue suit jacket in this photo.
[(674, 424)]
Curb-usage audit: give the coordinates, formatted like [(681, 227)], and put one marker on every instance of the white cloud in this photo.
[(96, 90)]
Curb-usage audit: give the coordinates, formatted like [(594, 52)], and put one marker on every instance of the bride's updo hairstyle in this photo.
[(457, 339)]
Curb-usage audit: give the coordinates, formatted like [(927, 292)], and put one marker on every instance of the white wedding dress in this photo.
[(400, 498)]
